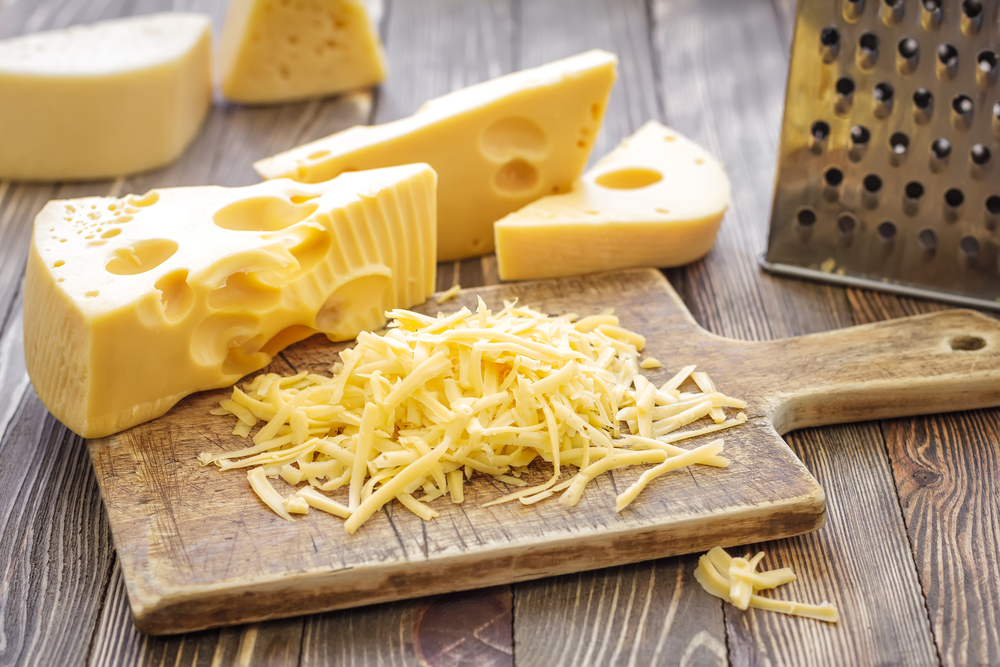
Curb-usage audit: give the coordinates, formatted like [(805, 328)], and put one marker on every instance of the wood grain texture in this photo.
[(651, 613), (723, 85), (55, 546)]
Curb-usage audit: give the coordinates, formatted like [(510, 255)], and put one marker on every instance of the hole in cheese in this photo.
[(59, 263), (141, 257), (111, 233), (262, 214), (514, 136), (357, 305), (176, 295), (517, 177), (630, 178), (147, 199), (213, 339), (245, 290), (311, 248)]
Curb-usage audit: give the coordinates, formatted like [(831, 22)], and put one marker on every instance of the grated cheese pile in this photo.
[(433, 400), (736, 580)]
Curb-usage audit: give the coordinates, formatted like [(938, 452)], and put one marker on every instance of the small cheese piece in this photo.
[(131, 304), (277, 50), (108, 99), (496, 146), (656, 200)]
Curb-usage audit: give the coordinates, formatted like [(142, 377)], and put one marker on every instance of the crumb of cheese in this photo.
[(650, 363), (736, 580), (412, 414), (448, 294)]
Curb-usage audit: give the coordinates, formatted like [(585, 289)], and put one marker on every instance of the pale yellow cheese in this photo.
[(656, 200), (131, 304), (425, 405), (496, 145), (108, 99), (281, 50)]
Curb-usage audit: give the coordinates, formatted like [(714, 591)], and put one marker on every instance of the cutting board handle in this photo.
[(939, 362)]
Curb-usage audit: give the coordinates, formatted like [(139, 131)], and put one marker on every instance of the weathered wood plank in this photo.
[(860, 561), (944, 469), (599, 617), (55, 545), (650, 613), (723, 66)]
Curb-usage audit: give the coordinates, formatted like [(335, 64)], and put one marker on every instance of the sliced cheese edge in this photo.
[(656, 200), (275, 51), (132, 303), (496, 145), (109, 99)]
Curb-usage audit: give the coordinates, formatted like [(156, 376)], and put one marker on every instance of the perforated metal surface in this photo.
[(887, 172)]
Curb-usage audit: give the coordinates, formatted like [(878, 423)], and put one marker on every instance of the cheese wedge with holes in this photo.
[(656, 200), (131, 304), (103, 100), (496, 146), (281, 50)]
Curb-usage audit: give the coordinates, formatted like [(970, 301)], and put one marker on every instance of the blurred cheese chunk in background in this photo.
[(656, 200), (103, 100), (131, 304), (496, 146), (281, 50)]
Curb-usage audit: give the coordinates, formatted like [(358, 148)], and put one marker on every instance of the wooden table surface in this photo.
[(909, 552)]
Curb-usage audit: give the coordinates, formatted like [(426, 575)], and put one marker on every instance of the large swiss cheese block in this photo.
[(274, 51), (496, 145), (656, 200), (131, 304), (103, 100)]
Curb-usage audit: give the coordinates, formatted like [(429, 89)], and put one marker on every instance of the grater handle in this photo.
[(939, 362)]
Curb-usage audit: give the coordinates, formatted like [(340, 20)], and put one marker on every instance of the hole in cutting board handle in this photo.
[(967, 343)]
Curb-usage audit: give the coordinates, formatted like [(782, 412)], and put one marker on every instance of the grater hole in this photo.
[(820, 130), (987, 61), (972, 9), (908, 47), (847, 224), (899, 142), (883, 92), (954, 197), (927, 238), (868, 42), (845, 86), (829, 37), (860, 134), (941, 148), (886, 230), (962, 104), (932, 5), (947, 55), (993, 204), (833, 177), (996, 110), (980, 154), (914, 190), (806, 216), (969, 245), (923, 98), (967, 343), (872, 183)]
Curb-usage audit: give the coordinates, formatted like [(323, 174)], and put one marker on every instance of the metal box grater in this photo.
[(887, 172)]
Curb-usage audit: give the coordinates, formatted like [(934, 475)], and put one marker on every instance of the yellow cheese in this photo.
[(423, 406), (496, 145), (279, 50), (131, 304), (103, 100), (656, 200)]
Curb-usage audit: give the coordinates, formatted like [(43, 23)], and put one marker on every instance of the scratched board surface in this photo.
[(198, 548)]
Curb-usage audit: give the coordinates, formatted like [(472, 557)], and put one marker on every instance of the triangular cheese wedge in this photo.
[(273, 51), (131, 304), (656, 200), (96, 101), (495, 146)]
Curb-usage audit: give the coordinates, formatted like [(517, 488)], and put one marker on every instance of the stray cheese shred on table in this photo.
[(413, 413), (736, 580)]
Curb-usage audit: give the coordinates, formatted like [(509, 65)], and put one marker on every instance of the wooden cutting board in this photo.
[(198, 549)]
